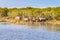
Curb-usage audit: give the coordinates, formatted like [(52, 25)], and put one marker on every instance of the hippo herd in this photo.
[(38, 20), (32, 19)]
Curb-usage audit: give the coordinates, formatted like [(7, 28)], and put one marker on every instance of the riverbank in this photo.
[(53, 22), (22, 22)]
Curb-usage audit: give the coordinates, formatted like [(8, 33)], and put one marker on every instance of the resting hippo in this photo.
[(25, 19), (41, 19)]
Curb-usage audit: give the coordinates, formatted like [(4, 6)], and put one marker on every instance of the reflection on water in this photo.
[(47, 27), (29, 32)]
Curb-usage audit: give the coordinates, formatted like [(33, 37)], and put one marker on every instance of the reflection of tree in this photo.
[(51, 27)]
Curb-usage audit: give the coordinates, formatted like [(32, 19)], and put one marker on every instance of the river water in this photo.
[(29, 32)]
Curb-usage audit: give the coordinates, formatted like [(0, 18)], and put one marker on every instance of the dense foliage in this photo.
[(49, 13)]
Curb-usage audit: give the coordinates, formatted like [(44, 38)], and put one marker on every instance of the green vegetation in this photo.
[(49, 13)]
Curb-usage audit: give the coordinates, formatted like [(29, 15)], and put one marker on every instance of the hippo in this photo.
[(41, 19)]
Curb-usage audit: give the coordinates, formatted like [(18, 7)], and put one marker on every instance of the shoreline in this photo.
[(13, 21)]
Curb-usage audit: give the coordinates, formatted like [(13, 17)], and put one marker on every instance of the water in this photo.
[(26, 32)]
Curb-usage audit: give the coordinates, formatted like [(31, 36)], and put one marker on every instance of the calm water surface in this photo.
[(27, 32)]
